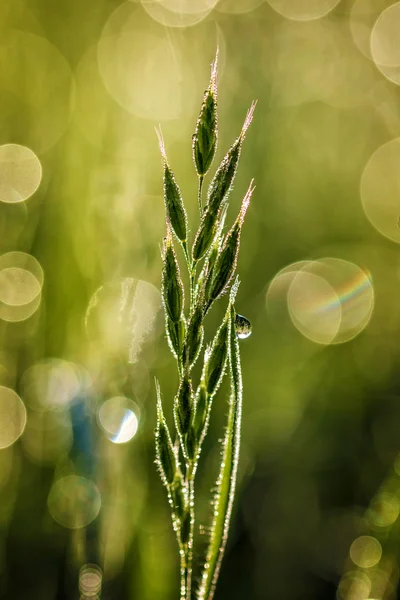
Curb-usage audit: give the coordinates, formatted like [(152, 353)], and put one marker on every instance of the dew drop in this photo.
[(242, 326)]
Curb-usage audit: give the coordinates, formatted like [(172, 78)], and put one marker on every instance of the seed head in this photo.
[(194, 337), (205, 235), (174, 207), (225, 264), (164, 450), (183, 405), (172, 286), (176, 336), (216, 360), (206, 134), (222, 181)]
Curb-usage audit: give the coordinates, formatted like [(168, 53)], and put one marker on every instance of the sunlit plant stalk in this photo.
[(211, 262)]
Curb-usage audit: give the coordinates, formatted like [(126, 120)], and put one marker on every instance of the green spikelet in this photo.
[(172, 286), (183, 406), (225, 264), (222, 181), (164, 450), (175, 210), (194, 337), (206, 135)]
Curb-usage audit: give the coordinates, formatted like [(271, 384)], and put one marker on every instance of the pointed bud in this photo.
[(194, 337), (174, 207), (172, 286), (164, 450), (222, 181), (176, 336), (205, 235), (206, 135), (225, 264), (216, 360), (183, 406)]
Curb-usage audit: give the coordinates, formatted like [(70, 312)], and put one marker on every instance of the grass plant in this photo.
[(211, 261)]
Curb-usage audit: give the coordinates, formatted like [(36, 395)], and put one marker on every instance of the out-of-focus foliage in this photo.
[(82, 86)]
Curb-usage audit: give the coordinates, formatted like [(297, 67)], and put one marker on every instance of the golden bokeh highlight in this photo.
[(20, 173), (384, 510), (74, 501), (18, 286), (385, 43), (365, 551), (380, 190), (21, 281), (303, 10), (354, 586), (12, 417), (90, 580), (363, 16), (118, 418)]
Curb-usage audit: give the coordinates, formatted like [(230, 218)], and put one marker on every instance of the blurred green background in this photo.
[(82, 86)]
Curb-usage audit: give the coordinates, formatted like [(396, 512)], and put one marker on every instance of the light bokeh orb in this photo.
[(12, 417), (380, 190), (90, 579), (303, 10), (18, 286), (365, 551), (118, 417), (354, 585), (20, 173), (363, 16), (21, 281), (74, 501), (385, 43), (384, 510)]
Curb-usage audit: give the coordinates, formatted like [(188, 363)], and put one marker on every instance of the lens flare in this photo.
[(314, 307), (21, 281), (329, 300)]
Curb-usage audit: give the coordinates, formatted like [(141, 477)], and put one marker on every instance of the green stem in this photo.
[(186, 550), (201, 179)]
